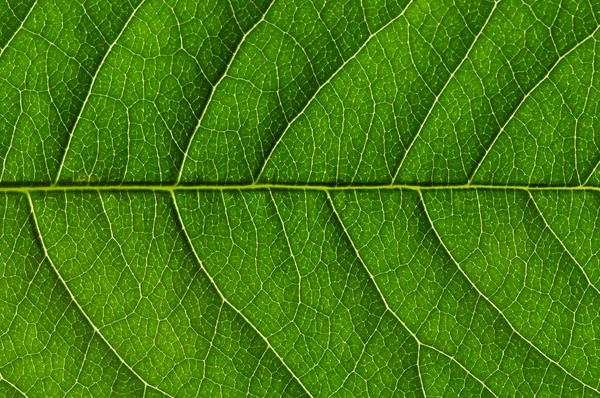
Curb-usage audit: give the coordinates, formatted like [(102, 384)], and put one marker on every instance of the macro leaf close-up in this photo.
[(303, 198)]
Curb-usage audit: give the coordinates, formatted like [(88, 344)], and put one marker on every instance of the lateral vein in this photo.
[(79, 307)]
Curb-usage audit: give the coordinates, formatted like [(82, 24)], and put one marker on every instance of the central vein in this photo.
[(251, 187)]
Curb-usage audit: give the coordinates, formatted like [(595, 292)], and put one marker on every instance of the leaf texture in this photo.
[(299, 198)]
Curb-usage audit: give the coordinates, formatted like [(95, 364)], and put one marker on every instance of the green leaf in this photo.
[(299, 198)]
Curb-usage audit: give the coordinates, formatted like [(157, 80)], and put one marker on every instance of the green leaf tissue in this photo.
[(299, 198)]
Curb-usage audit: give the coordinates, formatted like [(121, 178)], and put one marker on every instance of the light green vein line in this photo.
[(217, 84), (83, 363), (224, 299), (254, 187), (571, 256), (492, 304), (365, 345), (382, 297), (18, 29), (85, 315), (527, 96), (2, 378), (361, 356), (419, 369), (443, 89), (289, 245), (268, 155), (90, 89)]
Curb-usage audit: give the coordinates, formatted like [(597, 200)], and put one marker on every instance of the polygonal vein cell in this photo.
[(286, 61), (13, 14), (42, 328), (45, 73), (360, 125), (281, 259), (424, 288), (523, 53), (124, 258), (152, 89), (428, 286), (500, 242)]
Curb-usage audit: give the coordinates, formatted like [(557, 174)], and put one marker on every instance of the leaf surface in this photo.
[(299, 198)]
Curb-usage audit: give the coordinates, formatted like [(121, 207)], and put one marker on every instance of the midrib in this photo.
[(251, 187)]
